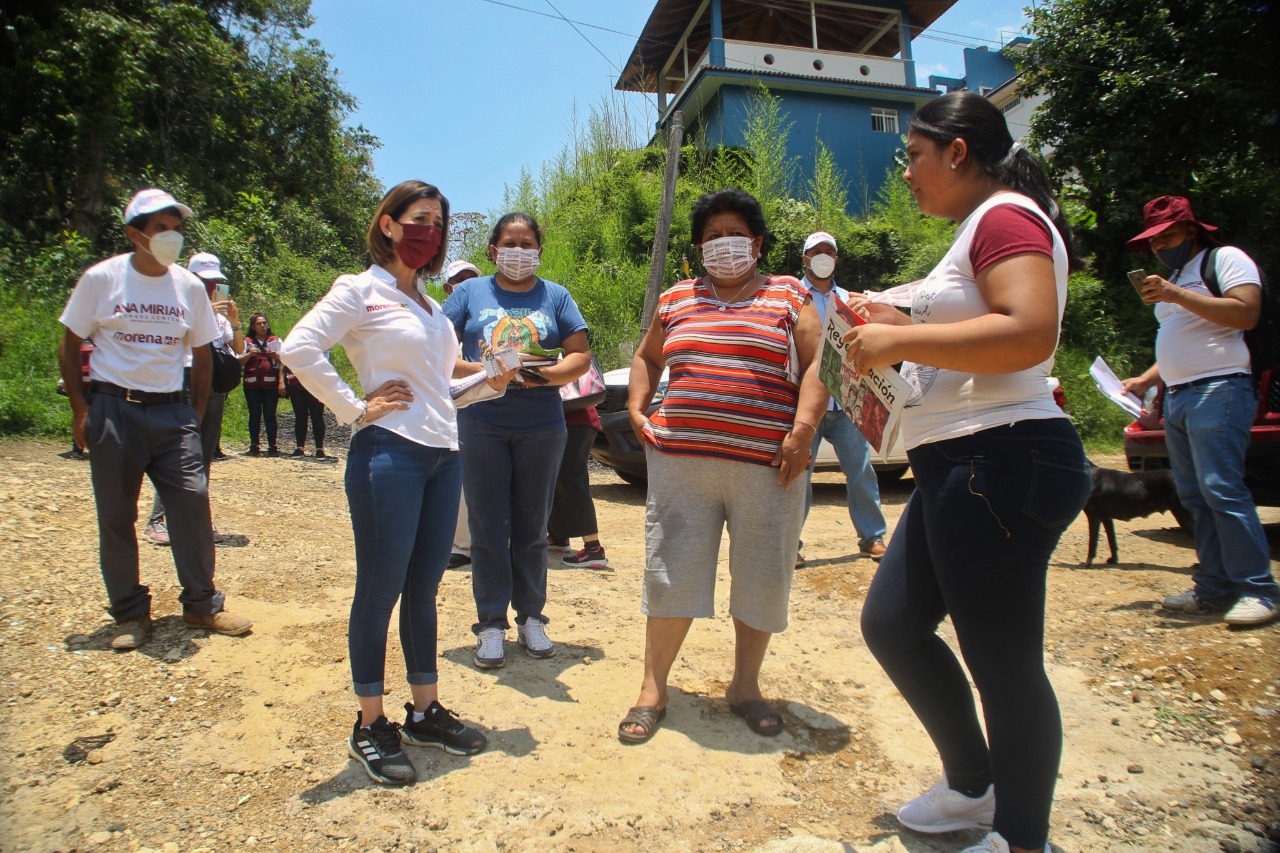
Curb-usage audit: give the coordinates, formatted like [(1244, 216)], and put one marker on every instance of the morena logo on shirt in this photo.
[(153, 309), (144, 338), (383, 306)]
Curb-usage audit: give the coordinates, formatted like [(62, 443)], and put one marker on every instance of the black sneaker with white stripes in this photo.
[(377, 748), (442, 729)]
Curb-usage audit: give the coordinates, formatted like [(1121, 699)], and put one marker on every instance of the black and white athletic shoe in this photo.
[(442, 729), (377, 748)]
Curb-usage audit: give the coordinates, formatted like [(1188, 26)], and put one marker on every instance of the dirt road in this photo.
[(198, 742)]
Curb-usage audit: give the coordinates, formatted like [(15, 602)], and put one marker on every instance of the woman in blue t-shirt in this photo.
[(511, 446)]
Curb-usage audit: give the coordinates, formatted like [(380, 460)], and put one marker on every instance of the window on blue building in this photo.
[(884, 120)]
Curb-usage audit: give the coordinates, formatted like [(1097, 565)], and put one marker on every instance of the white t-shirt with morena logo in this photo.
[(1189, 347), (143, 325)]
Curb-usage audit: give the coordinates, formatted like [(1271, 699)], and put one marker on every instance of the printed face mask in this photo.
[(822, 266), (419, 245), (165, 247), (517, 264), (728, 257), (1176, 258)]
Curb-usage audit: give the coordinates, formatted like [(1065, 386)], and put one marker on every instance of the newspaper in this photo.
[(874, 401)]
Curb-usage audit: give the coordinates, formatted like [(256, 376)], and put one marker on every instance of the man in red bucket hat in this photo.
[(1208, 407)]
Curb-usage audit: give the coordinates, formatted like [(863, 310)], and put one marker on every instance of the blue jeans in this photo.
[(510, 475), (1207, 432), (403, 498), (262, 404), (861, 486), (974, 544)]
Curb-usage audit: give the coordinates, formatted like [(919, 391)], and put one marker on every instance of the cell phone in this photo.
[(221, 292), (1138, 278)]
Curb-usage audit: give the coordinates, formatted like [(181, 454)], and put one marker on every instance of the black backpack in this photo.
[(1263, 340)]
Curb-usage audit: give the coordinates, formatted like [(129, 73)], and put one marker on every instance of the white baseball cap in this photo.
[(458, 267), (149, 201), (819, 237), (206, 265)]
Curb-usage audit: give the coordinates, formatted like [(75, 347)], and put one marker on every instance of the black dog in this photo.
[(1122, 495)]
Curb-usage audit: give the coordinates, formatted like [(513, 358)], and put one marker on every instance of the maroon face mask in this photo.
[(420, 244)]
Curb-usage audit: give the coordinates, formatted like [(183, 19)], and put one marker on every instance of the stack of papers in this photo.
[(1113, 389)]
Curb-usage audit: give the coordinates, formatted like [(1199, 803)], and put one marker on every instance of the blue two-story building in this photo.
[(843, 72)]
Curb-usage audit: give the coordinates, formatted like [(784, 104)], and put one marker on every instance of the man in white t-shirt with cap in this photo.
[(455, 274), (862, 489), (208, 268), (145, 312)]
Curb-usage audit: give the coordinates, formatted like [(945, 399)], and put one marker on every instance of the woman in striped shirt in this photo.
[(729, 440)]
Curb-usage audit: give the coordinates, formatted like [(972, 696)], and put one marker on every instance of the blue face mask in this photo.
[(1176, 257)]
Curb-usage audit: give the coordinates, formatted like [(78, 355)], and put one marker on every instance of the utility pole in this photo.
[(658, 262)]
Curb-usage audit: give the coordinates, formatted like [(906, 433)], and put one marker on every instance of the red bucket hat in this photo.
[(1159, 213)]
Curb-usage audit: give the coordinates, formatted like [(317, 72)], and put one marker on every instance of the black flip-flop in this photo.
[(647, 717), (755, 712)]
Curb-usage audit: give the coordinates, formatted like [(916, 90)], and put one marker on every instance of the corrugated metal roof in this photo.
[(843, 27)]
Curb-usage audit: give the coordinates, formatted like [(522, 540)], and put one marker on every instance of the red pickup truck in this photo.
[(1145, 450)]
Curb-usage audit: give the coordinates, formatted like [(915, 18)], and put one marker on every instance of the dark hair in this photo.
[(730, 200), (516, 216), (254, 319), (394, 204), (140, 221), (973, 118)]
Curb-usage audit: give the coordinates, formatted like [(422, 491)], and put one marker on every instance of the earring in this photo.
[(953, 168)]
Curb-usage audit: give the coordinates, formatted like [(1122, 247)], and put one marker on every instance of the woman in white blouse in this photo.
[(403, 474)]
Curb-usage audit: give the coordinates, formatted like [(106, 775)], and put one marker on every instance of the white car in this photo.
[(616, 445)]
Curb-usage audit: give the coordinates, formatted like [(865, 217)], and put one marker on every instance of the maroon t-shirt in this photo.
[(1007, 230)]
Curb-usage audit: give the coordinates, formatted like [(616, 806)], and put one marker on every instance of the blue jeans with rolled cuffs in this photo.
[(862, 490), (510, 476), (974, 543), (403, 498), (1206, 430)]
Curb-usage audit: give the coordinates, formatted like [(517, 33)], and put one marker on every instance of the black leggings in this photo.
[(306, 406), (974, 544), (262, 407), (573, 513)]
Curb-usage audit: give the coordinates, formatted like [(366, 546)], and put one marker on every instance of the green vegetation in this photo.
[(225, 104)]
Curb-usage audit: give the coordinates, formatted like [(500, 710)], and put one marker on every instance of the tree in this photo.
[(1160, 98), (220, 97)]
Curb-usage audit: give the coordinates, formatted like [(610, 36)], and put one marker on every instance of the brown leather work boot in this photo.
[(220, 623), (131, 634)]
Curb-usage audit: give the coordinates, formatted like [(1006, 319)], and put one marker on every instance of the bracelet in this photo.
[(806, 423)]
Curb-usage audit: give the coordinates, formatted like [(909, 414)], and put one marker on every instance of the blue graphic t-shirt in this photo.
[(480, 310)]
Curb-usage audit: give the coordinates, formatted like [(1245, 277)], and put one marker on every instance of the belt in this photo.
[(145, 398), (1195, 383)]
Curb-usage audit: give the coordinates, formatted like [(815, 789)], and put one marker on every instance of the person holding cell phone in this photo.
[(511, 447), (261, 360), (1209, 407), (208, 268)]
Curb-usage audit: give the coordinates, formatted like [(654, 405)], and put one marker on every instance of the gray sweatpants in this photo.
[(163, 442)]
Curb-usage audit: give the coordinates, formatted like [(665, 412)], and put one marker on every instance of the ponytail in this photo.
[(973, 118)]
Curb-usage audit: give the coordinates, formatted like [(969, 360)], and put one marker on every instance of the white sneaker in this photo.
[(1251, 610), (942, 809), (1189, 602), (489, 648), (533, 636), (995, 843)]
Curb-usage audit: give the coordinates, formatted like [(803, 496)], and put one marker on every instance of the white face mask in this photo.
[(728, 257), (822, 266), (517, 264), (165, 247)]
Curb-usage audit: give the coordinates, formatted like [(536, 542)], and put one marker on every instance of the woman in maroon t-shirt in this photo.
[(261, 362)]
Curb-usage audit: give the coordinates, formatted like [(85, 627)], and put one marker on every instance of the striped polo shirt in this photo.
[(728, 395)]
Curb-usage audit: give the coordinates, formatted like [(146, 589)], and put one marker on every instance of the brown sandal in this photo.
[(647, 717), (756, 712)]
